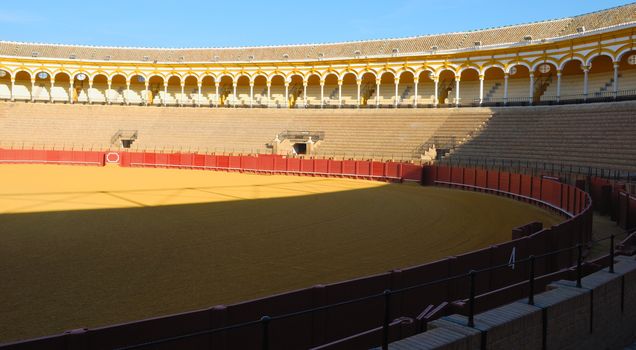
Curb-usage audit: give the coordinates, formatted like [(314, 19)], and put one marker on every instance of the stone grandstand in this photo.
[(571, 135)]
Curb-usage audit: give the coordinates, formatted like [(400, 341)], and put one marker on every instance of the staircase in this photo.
[(334, 94), (125, 137), (406, 93), (492, 91), (606, 88)]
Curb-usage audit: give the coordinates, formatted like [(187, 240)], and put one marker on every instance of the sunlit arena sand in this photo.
[(91, 246)]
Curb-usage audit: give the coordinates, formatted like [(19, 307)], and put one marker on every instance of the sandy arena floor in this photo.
[(88, 246)]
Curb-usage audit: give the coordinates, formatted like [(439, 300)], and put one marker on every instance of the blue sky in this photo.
[(213, 23)]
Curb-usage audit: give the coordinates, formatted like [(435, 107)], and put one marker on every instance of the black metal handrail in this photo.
[(388, 294), (536, 167), (266, 320), (604, 96)]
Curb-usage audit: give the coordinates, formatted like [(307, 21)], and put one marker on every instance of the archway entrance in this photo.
[(446, 86), (493, 86)]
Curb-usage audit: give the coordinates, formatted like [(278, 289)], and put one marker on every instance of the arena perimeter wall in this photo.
[(307, 330)]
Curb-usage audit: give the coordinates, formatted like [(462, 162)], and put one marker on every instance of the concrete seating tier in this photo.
[(383, 133), (595, 135)]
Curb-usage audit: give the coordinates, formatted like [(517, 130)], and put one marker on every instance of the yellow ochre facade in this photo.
[(580, 57)]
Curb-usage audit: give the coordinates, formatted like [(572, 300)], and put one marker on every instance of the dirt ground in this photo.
[(89, 246)]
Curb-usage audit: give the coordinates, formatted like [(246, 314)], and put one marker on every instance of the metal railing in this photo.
[(388, 294), (605, 96), (538, 167)]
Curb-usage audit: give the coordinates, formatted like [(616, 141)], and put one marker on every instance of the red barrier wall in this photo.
[(51, 157), (261, 164)]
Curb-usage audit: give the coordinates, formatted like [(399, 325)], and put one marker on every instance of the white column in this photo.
[(436, 101), (108, 92), (457, 91), (251, 94), (287, 94), (305, 84), (269, 94), (558, 92), (339, 93), (359, 81), (182, 97), (506, 77), (198, 95), (615, 89), (397, 97), (216, 96), (71, 89), (481, 89), (531, 87), (416, 83), (127, 92), (165, 94), (12, 84), (586, 71), (146, 99), (88, 92), (32, 90), (51, 90), (234, 94), (378, 84), (322, 93)]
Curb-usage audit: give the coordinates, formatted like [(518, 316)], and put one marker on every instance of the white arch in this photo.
[(388, 71), (209, 75), (20, 70), (134, 74), (95, 74), (256, 75), (620, 54), (43, 69), (163, 78), (191, 75), (597, 54), (492, 66), (274, 74), (422, 70), (560, 67), (368, 71), (220, 77), (407, 70), (291, 75), (9, 72), (449, 69), (310, 74), (328, 73), (545, 61), (519, 63), (173, 75), (345, 73), (465, 68), (113, 75), (363, 73)]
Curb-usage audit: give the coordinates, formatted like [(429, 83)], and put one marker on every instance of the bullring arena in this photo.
[(454, 191)]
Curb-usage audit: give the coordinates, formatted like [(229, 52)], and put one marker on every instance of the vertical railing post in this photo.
[(531, 282), (387, 316), (265, 327), (471, 300), (579, 263), (611, 266)]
